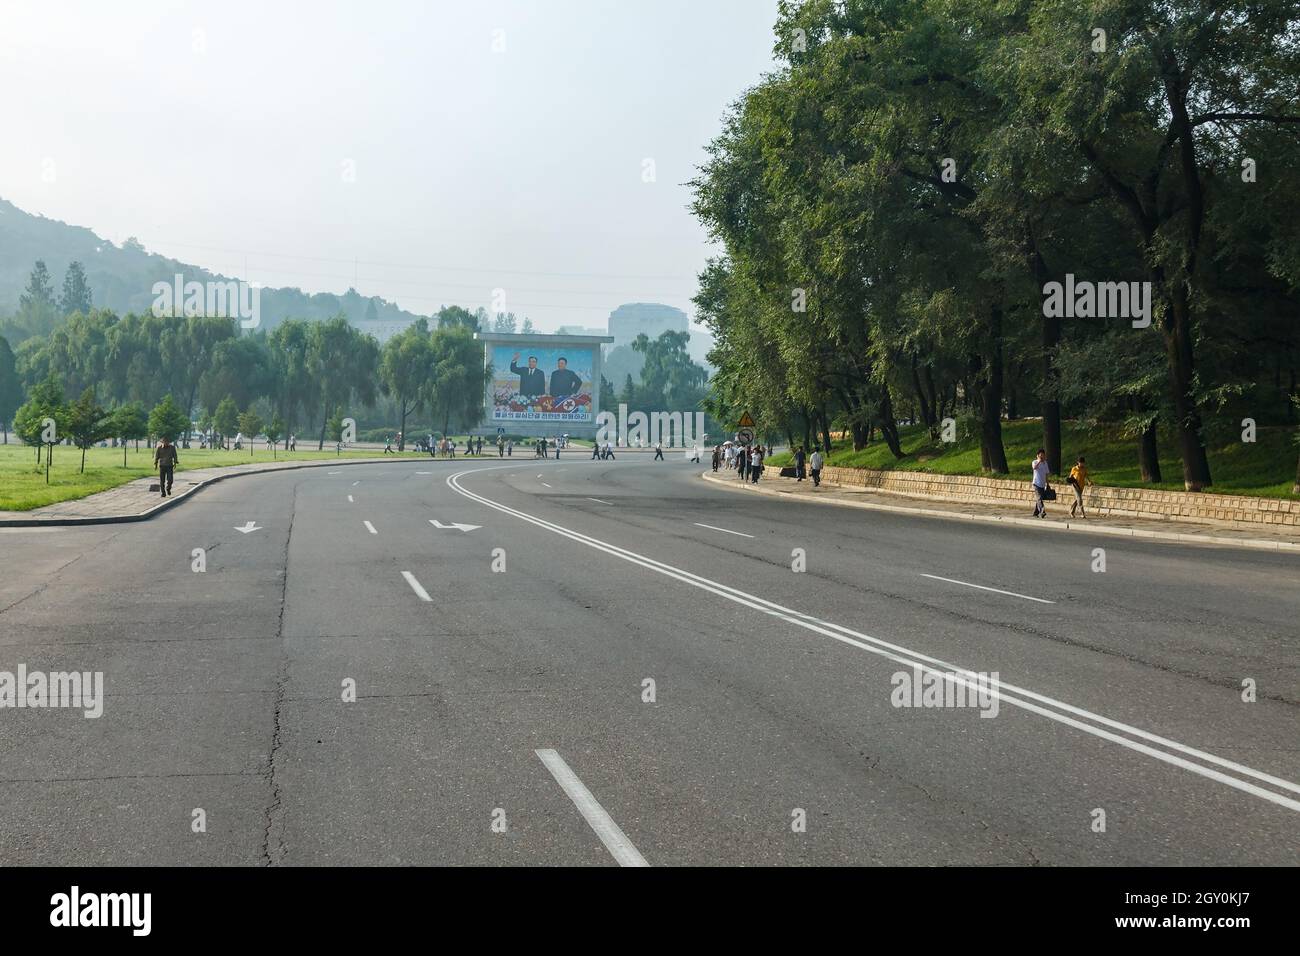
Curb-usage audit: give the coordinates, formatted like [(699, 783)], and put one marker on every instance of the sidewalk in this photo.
[(1269, 538), (134, 501)]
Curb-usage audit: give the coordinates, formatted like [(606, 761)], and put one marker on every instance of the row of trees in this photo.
[(299, 374), (893, 201)]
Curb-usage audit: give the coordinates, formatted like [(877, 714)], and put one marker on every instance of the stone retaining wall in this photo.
[(1099, 500)]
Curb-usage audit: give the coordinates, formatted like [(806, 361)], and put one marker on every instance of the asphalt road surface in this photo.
[(618, 664)]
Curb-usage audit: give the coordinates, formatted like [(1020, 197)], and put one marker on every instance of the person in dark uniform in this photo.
[(166, 459), (563, 381), (532, 380)]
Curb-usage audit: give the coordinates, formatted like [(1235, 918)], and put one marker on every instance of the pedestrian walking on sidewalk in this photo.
[(1078, 480), (756, 464), (816, 463), (717, 454), (165, 459), (798, 464), (659, 452), (1042, 491)]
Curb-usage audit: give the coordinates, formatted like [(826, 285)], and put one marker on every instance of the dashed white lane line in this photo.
[(1060, 711), (545, 485), (370, 527), (416, 586), (981, 587), (610, 834), (355, 483), (723, 530), (350, 498), (601, 500)]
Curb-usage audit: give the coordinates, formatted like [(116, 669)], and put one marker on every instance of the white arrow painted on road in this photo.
[(447, 527), (248, 526)]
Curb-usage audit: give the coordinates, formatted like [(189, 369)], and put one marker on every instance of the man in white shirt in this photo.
[(815, 463), (1041, 470)]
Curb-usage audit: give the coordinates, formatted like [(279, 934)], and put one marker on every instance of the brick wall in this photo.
[(1099, 500)]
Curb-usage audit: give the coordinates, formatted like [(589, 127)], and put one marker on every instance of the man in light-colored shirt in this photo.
[(815, 463), (1041, 470)]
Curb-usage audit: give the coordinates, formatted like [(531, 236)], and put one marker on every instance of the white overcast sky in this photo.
[(218, 132)]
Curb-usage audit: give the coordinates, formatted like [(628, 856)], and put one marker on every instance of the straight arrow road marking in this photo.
[(418, 588), (981, 587), (723, 530), (370, 527), (447, 527), (610, 834), (248, 526), (1086, 721)]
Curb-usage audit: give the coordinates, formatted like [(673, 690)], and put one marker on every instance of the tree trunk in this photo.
[(1178, 347), (83, 459), (859, 435), (993, 455), (1295, 489), (927, 410), (1148, 455), (401, 436), (888, 426)]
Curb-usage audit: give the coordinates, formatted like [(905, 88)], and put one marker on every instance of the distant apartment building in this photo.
[(383, 329)]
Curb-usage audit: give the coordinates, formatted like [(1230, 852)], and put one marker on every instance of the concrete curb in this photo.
[(175, 500), (1260, 544)]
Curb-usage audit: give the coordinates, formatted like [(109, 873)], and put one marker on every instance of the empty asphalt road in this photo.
[(583, 662)]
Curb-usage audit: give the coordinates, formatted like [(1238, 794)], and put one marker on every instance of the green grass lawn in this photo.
[(1266, 468), (23, 487)]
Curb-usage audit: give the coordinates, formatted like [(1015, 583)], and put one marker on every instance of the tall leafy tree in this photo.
[(405, 370), (11, 387)]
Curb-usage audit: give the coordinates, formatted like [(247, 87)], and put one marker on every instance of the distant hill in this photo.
[(121, 277)]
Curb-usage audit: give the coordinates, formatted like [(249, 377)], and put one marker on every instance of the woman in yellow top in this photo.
[(1078, 478)]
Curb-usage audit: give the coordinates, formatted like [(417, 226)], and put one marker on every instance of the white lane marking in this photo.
[(333, 472), (601, 500), (904, 655), (610, 834), (424, 473), (355, 483), (545, 485), (370, 527), (350, 498), (723, 530), (418, 588), (981, 587)]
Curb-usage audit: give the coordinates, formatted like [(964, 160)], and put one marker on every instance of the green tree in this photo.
[(128, 423), (250, 423), (458, 378), (44, 402), (11, 387), (86, 422), (405, 368), (167, 420), (76, 290), (274, 432), (225, 419)]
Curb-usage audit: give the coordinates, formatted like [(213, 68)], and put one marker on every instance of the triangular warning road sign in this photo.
[(745, 421)]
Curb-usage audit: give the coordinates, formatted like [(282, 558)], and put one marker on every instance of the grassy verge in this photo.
[(1265, 468), (23, 487)]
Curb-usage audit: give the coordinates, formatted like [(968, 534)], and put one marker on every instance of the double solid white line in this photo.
[(1140, 741)]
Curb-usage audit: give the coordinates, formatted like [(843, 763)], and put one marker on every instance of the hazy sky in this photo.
[(222, 133)]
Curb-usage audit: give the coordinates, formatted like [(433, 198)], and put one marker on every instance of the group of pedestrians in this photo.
[(804, 463), (1043, 492), (603, 452)]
